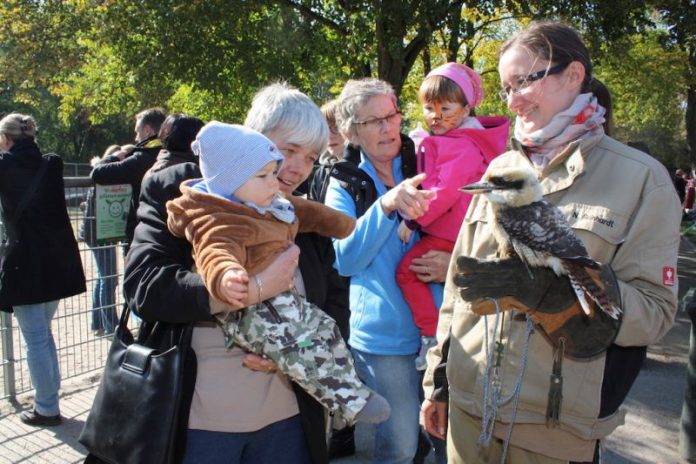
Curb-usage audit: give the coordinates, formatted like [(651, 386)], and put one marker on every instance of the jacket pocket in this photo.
[(601, 229), (610, 225)]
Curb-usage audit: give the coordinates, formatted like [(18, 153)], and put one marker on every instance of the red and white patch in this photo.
[(668, 276)]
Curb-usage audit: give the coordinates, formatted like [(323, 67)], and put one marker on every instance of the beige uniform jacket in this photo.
[(623, 206)]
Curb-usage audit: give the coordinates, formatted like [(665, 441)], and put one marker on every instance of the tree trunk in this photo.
[(390, 33)]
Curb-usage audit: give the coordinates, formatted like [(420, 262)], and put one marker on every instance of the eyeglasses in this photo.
[(525, 82), (377, 123)]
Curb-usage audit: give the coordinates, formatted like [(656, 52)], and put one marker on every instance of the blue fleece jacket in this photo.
[(381, 322)]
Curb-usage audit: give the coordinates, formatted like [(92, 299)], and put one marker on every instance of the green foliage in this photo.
[(85, 67), (102, 87), (646, 77), (204, 104)]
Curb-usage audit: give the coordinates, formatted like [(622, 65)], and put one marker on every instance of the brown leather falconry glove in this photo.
[(546, 297)]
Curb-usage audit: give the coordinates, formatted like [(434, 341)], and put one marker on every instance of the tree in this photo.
[(43, 45), (100, 61), (646, 77), (680, 17), (394, 32)]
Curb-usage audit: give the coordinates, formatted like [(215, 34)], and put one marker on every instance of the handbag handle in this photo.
[(151, 334)]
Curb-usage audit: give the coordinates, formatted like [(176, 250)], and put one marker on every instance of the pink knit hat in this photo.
[(466, 78)]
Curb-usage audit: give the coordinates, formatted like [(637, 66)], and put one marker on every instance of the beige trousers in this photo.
[(465, 450)]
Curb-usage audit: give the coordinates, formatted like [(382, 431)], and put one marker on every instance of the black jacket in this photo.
[(44, 265), (131, 170), (159, 286), (167, 158)]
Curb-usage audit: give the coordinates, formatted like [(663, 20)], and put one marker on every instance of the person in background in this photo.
[(41, 263), (456, 154), (553, 408), (104, 316), (690, 192), (680, 184), (319, 180), (160, 285), (125, 167), (176, 134), (334, 151)]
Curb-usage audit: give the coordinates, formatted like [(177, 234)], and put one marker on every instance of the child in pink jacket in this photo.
[(456, 154)]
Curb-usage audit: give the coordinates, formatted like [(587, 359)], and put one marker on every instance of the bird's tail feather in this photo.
[(588, 282), (580, 294)]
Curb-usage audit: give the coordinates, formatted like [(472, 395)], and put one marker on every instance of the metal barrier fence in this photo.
[(80, 349), (76, 169)]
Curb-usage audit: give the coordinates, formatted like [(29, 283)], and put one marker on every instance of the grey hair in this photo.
[(354, 95), (16, 127), (291, 114)]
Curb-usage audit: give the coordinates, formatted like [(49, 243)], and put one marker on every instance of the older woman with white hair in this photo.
[(383, 337), (242, 410)]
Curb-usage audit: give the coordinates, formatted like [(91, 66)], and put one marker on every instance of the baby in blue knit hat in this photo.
[(238, 222)]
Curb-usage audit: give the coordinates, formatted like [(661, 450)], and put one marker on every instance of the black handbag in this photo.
[(140, 411)]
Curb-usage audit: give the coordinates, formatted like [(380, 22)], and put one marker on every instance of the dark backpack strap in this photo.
[(357, 183)]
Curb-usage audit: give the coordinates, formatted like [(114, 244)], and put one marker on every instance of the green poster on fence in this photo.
[(112, 203)]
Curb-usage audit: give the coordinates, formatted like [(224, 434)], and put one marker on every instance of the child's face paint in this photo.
[(441, 117)]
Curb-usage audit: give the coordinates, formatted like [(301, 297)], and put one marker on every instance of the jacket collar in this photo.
[(26, 153), (179, 156), (150, 142)]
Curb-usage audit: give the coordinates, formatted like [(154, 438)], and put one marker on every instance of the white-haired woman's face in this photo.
[(299, 161), (5, 143), (377, 128)]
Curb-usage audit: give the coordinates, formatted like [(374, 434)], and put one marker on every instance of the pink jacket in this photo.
[(453, 160)]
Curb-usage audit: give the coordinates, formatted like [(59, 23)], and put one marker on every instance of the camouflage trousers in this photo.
[(306, 345)]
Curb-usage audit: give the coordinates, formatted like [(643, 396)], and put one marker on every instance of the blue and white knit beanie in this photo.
[(231, 154)]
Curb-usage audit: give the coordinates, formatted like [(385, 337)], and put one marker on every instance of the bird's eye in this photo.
[(516, 184)]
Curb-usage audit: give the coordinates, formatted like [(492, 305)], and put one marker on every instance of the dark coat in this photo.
[(44, 265), (167, 158), (111, 171), (159, 286)]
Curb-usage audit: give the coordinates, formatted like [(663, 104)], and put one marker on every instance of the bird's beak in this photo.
[(478, 187)]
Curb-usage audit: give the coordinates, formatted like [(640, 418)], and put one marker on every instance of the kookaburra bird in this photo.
[(525, 223)]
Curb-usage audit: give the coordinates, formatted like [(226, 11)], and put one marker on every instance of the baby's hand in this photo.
[(234, 287), (404, 232)]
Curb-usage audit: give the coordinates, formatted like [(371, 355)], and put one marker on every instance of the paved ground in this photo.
[(650, 434)]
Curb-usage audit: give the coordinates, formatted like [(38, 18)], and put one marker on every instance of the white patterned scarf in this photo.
[(582, 119)]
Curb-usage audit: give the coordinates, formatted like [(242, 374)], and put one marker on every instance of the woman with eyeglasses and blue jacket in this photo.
[(375, 183)]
